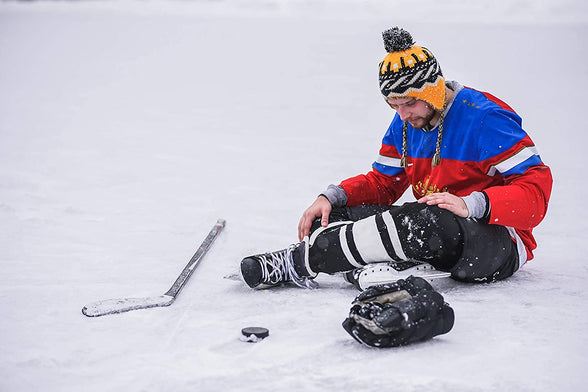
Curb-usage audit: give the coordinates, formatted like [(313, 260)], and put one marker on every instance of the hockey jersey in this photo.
[(484, 148)]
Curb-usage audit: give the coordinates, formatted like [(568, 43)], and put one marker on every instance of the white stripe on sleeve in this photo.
[(388, 161), (514, 160)]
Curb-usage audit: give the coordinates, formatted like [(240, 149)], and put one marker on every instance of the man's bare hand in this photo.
[(320, 208), (446, 201)]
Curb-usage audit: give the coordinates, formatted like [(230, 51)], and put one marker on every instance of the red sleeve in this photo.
[(374, 188), (522, 202)]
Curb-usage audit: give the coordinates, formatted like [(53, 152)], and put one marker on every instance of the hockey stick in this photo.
[(120, 305)]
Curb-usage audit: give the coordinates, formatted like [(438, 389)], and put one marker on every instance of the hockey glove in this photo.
[(399, 313)]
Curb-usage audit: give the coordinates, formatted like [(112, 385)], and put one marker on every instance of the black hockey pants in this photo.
[(356, 236)]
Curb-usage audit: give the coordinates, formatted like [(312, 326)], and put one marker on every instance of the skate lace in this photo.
[(274, 266), (300, 281), (278, 267)]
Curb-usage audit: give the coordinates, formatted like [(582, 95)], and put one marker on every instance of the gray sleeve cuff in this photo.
[(476, 204), (336, 195)]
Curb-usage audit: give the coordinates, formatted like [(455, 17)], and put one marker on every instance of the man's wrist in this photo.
[(336, 195), (477, 204)]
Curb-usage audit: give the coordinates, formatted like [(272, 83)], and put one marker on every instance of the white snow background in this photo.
[(127, 128)]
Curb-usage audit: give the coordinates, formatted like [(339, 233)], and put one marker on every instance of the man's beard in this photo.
[(422, 122)]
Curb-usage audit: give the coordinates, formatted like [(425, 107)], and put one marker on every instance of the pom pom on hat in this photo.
[(397, 39)]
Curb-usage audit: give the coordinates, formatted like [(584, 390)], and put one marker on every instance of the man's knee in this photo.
[(429, 233)]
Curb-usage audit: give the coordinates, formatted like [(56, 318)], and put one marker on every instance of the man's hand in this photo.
[(320, 208), (446, 201)]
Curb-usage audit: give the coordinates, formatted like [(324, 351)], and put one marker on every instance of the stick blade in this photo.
[(121, 305)]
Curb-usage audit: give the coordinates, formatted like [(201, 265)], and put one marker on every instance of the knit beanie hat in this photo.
[(410, 71)]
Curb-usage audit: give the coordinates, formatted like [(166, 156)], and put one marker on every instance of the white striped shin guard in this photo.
[(371, 240)]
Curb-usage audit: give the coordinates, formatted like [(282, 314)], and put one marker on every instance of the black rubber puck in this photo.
[(258, 332)]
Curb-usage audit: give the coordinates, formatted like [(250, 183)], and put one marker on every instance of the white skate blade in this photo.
[(382, 273), (236, 276)]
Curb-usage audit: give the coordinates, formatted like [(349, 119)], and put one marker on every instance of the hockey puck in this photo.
[(254, 334)]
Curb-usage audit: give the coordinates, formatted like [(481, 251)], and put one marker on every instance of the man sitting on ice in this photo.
[(480, 185)]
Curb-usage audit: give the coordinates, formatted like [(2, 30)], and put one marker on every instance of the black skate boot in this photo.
[(286, 265)]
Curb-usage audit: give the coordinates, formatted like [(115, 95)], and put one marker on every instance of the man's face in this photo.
[(416, 112)]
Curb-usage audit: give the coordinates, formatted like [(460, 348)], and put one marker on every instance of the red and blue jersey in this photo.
[(483, 148)]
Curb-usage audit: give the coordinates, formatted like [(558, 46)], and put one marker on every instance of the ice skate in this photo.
[(282, 266), (380, 273)]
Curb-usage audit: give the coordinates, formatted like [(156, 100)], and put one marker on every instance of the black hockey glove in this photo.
[(399, 313)]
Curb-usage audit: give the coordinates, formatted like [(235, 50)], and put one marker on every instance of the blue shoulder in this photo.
[(481, 126)]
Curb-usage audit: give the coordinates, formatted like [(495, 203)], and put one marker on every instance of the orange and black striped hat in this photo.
[(410, 70)]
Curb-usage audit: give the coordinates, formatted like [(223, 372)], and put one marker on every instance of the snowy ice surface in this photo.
[(127, 128)]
